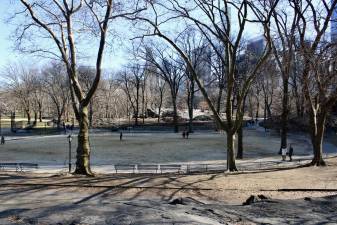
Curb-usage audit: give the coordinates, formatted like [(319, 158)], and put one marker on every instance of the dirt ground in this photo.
[(30, 198)]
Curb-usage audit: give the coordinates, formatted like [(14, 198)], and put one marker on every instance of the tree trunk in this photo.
[(137, 103), (91, 114), (83, 148), (143, 103), (40, 115), (40, 111), (175, 115), (239, 154), (218, 105), (28, 116), (190, 121), (317, 138), (269, 115), (265, 111), (59, 120), (285, 112), (230, 152), (190, 107), (35, 117), (257, 109), (160, 104)]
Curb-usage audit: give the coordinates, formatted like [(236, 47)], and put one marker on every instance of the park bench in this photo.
[(19, 167), (170, 168), (121, 167), (28, 166), (197, 168), (15, 166), (216, 167), (147, 168)]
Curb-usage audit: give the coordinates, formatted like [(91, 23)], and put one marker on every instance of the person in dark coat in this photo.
[(121, 136), (64, 128), (183, 134), (291, 152), (2, 140)]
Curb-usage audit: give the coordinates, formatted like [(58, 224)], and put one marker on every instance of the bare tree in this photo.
[(269, 80), (160, 90), (283, 45), (59, 21), (212, 18), (200, 55), (38, 95), (55, 83), (171, 70), (319, 71), (20, 84), (132, 79)]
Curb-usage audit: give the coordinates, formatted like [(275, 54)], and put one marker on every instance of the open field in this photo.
[(137, 147)]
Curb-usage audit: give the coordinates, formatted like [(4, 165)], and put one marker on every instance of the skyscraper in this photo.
[(333, 26), (256, 46)]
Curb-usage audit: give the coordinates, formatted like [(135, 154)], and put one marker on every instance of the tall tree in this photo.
[(19, 81), (171, 70), (319, 71), (60, 21), (213, 21), (55, 83), (200, 55), (132, 79), (283, 45)]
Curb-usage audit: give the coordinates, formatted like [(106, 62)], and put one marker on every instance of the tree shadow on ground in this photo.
[(124, 197)]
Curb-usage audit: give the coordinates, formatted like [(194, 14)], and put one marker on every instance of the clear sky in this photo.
[(112, 59), (6, 45)]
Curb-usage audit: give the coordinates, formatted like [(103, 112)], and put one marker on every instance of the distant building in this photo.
[(256, 46), (202, 60), (333, 26)]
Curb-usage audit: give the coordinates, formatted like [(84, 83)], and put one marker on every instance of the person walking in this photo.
[(121, 136), (64, 128), (2, 140), (291, 152)]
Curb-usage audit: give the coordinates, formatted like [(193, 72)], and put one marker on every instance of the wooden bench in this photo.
[(28, 165), (120, 167), (216, 167), (15, 166), (170, 168), (19, 167), (147, 168)]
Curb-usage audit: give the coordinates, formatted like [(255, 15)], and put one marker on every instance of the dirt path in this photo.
[(143, 199)]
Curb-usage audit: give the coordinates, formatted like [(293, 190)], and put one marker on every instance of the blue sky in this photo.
[(113, 59), (9, 55), (6, 50)]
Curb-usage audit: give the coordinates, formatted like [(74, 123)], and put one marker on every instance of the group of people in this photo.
[(252, 122), (287, 151), (185, 134), (67, 127)]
